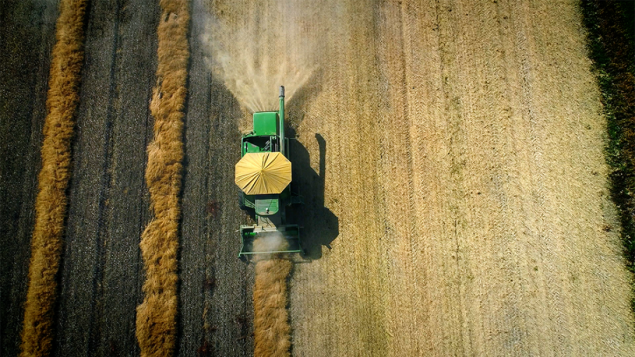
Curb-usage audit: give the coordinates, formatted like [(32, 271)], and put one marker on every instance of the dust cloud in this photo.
[(256, 50), (273, 241)]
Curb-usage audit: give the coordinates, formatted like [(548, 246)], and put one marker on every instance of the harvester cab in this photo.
[(263, 175)]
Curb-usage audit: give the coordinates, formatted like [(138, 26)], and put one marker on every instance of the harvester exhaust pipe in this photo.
[(283, 149)]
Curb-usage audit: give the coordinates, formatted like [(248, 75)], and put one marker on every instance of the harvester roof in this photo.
[(263, 173)]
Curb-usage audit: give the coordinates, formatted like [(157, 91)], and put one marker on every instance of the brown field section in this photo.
[(460, 148)]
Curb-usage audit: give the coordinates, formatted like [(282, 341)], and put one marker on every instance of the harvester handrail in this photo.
[(273, 252)]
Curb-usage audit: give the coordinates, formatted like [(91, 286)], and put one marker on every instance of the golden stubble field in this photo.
[(464, 161)]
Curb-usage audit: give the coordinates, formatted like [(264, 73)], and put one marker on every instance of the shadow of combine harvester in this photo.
[(319, 225)]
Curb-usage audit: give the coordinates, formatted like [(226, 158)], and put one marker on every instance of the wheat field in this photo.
[(450, 154)]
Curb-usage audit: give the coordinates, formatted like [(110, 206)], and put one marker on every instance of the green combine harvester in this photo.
[(264, 177)]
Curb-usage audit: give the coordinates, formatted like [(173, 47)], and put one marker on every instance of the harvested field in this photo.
[(493, 233), (450, 154)]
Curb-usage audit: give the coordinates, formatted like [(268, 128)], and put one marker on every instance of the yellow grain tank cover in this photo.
[(263, 173)]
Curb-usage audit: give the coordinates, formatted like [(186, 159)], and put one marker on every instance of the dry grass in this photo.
[(479, 223), (156, 316), (51, 202), (271, 322)]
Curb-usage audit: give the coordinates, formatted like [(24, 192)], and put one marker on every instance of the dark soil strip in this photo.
[(108, 208), (215, 306), (128, 202), (51, 202), (610, 39), (27, 34)]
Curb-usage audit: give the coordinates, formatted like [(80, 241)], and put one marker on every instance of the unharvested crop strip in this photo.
[(156, 316), (51, 202), (271, 322), (611, 47)]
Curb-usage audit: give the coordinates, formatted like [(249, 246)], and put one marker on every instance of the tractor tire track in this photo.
[(128, 201)]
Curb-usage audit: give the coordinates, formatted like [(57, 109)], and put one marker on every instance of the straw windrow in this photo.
[(51, 202), (271, 320), (156, 316)]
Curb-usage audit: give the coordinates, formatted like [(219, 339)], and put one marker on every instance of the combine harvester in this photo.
[(264, 176)]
